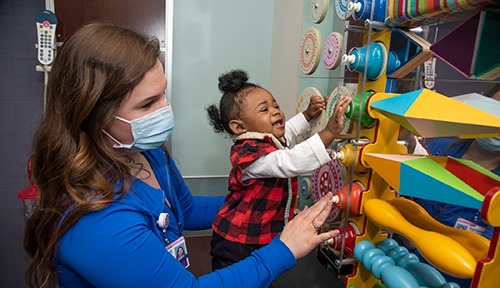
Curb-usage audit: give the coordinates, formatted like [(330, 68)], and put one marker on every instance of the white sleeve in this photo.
[(419, 149), (304, 157), (294, 127)]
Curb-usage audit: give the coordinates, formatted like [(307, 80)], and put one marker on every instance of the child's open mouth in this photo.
[(279, 124)]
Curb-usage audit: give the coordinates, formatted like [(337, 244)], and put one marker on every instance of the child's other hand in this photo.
[(317, 104), (336, 122)]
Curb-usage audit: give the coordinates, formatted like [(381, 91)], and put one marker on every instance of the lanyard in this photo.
[(164, 218)]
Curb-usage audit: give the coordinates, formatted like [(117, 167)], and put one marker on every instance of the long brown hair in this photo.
[(74, 168)]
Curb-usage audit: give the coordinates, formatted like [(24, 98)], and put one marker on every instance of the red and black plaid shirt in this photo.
[(254, 210)]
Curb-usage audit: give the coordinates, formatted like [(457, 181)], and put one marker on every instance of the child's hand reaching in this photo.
[(336, 122), (317, 104)]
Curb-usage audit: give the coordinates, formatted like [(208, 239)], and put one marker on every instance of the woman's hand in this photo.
[(301, 233), (317, 104)]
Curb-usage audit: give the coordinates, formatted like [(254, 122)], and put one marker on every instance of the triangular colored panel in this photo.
[(387, 166), (451, 110), (454, 119), (424, 178), (478, 55), (398, 104), (463, 36), (479, 178)]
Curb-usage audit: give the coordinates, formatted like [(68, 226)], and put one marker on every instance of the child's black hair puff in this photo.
[(232, 81)]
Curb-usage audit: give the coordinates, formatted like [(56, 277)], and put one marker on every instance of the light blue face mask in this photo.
[(149, 131), (490, 144)]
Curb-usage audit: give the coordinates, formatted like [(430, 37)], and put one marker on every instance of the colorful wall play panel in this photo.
[(410, 13), (478, 55), (434, 115), (422, 177)]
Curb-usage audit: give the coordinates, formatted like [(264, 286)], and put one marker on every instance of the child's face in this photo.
[(261, 113)]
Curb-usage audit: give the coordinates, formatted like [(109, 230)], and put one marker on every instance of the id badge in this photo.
[(470, 226), (178, 249)]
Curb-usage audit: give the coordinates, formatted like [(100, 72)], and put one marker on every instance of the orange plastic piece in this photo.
[(340, 198), (416, 215), (442, 251)]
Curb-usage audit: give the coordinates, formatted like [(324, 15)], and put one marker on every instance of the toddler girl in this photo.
[(263, 178)]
